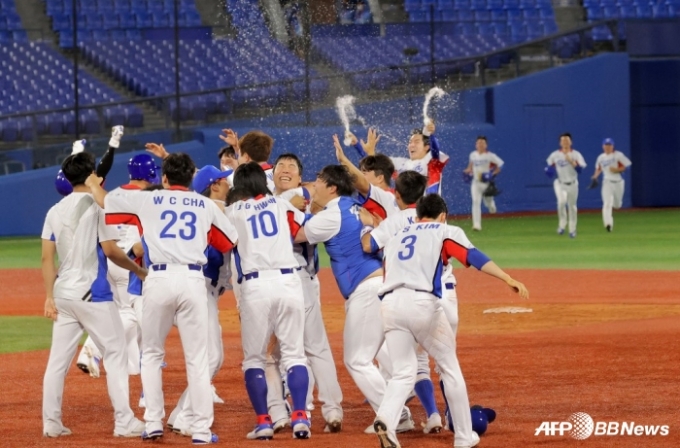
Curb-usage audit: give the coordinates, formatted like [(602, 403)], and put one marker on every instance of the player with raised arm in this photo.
[(567, 164), (611, 164), (412, 312), (271, 292), (424, 157), (372, 181), (211, 183), (484, 166), (176, 226), (254, 146), (359, 276), (79, 297)]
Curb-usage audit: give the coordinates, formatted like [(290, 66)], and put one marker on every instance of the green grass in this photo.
[(22, 333), (647, 240)]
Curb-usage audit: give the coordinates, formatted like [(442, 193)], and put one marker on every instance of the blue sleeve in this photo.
[(578, 168), (305, 194), (308, 216), (360, 149), (477, 258), (374, 246), (434, 147)]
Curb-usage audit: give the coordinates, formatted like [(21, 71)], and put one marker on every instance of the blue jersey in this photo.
[(217, 269), (338, 226)]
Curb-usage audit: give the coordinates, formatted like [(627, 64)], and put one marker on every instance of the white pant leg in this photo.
[(318, 350), (572, 198), (423, 360), (476, 190), (289, 321), (384, 363), (275, 401), (215, 345), (607, 203), (363, 335), (118, 279), (449, 303), (561, 195), (102, 322), (66, 333), (619, 188)]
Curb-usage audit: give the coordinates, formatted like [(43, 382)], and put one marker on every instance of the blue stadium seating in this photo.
[(627, 9)]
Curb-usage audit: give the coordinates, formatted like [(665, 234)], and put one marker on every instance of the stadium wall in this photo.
[(521, 118)]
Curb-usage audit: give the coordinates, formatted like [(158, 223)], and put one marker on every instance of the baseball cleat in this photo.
[(572, 235), (301, 425), (136, 430), (216, 398), (334, 426), (153, 435), (433, 425), (387, 440), (609, 228), (493, 210), (476, 229), (181, 431), (263, 431), (560, 231), (406, 422), (281, 424), (88, 363), (213, 439), (64, 431)]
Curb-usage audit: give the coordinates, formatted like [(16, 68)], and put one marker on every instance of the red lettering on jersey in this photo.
[(294, 226), (114, 219), (375, 208), (218, 240), (451, 249)]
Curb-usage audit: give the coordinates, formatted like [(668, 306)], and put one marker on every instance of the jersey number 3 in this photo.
[(408, 250), (188, 232), (265, 222)]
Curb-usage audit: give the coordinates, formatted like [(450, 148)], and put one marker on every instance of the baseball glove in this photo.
[(593, 184), (492, 190)]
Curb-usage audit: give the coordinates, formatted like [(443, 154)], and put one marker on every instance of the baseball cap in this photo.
[(608, 141), (207, 176)]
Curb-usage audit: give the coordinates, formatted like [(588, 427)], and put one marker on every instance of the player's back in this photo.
[(128, 234), (264, 225), (75, 223), (305, 253), (413, 258)]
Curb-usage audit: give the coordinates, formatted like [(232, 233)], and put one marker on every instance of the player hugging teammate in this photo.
[(256, 229)]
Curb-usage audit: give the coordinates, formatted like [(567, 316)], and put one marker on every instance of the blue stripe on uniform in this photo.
[(101, 289)]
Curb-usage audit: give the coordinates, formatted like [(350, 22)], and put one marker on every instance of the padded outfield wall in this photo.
[(521, 118)]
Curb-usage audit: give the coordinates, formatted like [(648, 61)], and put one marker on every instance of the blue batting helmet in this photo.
[(62, 184), (142, 167)]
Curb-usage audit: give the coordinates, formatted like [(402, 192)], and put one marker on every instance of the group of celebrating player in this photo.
[(186, 235)]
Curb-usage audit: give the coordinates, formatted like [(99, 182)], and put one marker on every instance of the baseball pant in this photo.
[(182, 415), (363, 335), (176, 293), (612, 197), (567, 195), (409, 317), (118, 279), (270, 304), (102, 322), (477, 189)]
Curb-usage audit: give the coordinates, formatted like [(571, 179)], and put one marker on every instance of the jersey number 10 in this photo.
[(264, 223)]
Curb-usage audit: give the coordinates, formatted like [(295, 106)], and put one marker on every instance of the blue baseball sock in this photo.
[(298, 383), (425, 391), (256, 385)]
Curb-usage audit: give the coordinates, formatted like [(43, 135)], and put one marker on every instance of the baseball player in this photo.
[(270, 295), (412, 312), (228, 158), (359, 275), (254, 146), (79, 297), (484, 166), (409, 187), (211, 183), (611, 164), (372, 181), (176, 226), (287, 181), (424, 157), (568, 164)]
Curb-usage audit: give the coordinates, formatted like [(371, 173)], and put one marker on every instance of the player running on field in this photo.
[(271, 295), (80, 297), (359, 275), (568, 164), (412, 312), (484, 166), (176, 226), (611, 164)]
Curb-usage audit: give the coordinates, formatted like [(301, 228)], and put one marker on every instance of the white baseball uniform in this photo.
[(613, 184), (412, 312), (566, 186), (380, 202), (482, 163), (268, 171), (270, 291), (176, 226), (84, 300), (430, 166), (338, 226)]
